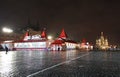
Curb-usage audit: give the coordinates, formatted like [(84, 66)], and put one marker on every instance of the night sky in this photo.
[(80, 18)]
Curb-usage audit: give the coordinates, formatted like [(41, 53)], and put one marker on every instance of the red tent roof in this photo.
[(26, 34), (70, 41), (63, 35), (43, 34), (61, 41), (62, 38), (83, 40), (58, 41)]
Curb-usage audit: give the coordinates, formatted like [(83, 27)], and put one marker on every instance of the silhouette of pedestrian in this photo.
[(6, 49), (58, 48)]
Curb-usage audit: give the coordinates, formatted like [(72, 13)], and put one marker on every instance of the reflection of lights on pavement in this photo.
[(6, 63), (70, 54), (7, 30)]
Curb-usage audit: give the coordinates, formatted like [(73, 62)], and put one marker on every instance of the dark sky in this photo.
[(80, 18)]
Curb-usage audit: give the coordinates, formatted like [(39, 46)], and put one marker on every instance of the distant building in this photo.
[(85, 45), (102, 42)]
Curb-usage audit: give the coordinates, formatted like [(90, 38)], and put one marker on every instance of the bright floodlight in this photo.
[(49, 37), (7, 30)]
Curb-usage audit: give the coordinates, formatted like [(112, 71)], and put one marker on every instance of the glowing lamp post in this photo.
[(49, 37), (7, 39), (50, 40), (7, 30)]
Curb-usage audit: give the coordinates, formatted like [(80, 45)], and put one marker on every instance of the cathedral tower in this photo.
[(102, 42)]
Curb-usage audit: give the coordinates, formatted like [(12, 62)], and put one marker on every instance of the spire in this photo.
[(83, 40), (102, 37), (43, 34), (101, 33), (37, 26), (63, 35), (29, 23), (26, 35)]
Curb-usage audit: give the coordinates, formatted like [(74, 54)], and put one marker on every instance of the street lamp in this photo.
[(7, 30), (6, 38), (49, 37)]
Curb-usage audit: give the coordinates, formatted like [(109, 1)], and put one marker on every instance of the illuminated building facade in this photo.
[(38, 41), (85, 45), (102, 42), (63, 43)]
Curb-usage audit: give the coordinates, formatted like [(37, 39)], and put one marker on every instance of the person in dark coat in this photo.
[(58, 48), (6, 49)]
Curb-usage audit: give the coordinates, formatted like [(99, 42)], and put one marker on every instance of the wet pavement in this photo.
[(71, 63)]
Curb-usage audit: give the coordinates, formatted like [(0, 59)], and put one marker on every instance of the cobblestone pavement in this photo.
[(59, 64)]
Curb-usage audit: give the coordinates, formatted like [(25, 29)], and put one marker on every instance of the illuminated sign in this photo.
[(33, 37), (30, 45)]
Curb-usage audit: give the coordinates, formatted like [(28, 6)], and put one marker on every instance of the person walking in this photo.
[(6, 49)]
